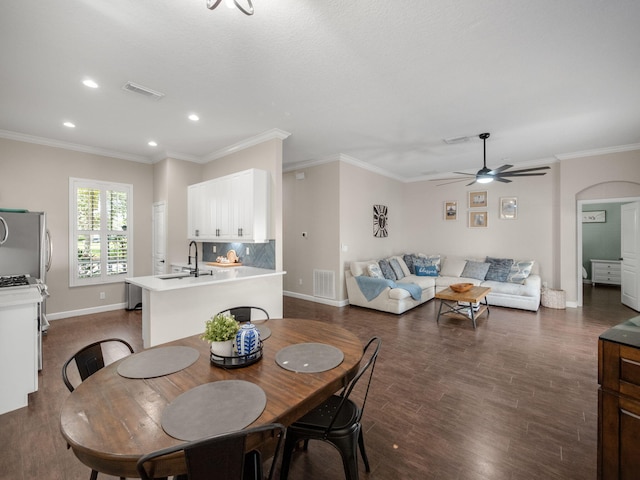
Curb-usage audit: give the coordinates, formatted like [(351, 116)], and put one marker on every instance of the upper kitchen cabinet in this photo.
[(231, 208)]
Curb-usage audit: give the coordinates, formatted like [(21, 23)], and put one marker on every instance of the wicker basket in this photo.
[(553, 298)]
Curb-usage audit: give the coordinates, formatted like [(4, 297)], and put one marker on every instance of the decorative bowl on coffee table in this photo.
[(461, 287)]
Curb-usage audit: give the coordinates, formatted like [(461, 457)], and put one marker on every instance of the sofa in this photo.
[(391, 284)]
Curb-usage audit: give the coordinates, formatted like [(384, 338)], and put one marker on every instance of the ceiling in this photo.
[(379, 82)]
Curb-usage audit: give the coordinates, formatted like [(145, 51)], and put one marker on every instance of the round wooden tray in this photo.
[(237, 361), (461, 287)]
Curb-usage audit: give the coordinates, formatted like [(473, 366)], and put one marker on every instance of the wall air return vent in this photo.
[(324, 284), (144, 91)]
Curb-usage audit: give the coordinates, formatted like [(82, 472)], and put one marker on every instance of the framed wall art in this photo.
[(380, 221), (596, 216), (450, 210), (478, 219), (508, 208), (478, 199)]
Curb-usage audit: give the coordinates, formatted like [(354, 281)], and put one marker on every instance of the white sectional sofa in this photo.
[(521, 289)]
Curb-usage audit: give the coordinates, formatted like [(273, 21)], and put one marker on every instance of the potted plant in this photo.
[(220, 331)]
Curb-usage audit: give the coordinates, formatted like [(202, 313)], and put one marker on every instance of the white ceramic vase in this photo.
[(222, 349)]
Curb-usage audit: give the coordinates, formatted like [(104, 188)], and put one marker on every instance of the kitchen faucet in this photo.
[(194, 271)]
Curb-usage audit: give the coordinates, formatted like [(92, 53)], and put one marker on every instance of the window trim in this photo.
[(103, 186)]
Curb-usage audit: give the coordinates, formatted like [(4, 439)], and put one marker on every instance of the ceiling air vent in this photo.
[(455, 140), (144, 91)]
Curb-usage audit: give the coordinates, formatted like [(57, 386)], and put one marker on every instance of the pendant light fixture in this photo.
[(212, 4)]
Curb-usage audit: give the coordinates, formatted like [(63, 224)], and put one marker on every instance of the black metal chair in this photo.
[(336, 421), (88, 360), (248, 314), (221, 457)]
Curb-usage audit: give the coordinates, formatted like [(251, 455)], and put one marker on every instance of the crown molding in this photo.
[(21, 137), (274, 133), (340, 157), (598, 151)]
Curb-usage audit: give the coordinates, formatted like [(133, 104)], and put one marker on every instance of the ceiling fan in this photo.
[(485, 175)]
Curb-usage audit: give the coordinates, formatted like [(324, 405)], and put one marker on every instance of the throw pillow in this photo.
[(432, 259), (520, 270), (427, 271), (397, 269), (499, 269), (452, 267), (387, 271), (408, 259), (374, 271), (477, 270)]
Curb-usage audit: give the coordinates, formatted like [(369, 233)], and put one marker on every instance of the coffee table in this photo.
[(449, 299)]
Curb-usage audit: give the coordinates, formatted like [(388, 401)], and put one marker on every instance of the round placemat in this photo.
[(265, 332), (309, 357), (157, 362), (213, 408)]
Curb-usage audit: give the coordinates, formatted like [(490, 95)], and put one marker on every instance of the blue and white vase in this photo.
[(247, 339)]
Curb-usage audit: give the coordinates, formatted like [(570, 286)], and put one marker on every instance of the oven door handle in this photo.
[(6, 230)]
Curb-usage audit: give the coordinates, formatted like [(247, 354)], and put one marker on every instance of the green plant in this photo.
[(220, 328)]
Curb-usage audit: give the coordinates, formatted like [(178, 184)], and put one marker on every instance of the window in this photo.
[(101, 244)]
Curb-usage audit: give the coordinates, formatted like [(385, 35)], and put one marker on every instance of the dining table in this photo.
[(120, 413)]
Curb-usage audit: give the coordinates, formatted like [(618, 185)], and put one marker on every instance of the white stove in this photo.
[(17, 281)]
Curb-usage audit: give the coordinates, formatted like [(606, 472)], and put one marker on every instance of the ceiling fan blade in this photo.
[(500, 179), (450, 181), (463, 173), (471, 183), (532, 169), (516, 174), (500, 169)]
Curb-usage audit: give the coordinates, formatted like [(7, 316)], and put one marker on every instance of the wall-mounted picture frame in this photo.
[(478, 199), (508, 208), (451, 210), (380, 221), (596, 216), (478, 219)]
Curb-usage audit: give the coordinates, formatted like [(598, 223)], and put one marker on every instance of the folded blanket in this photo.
[(372, 287)]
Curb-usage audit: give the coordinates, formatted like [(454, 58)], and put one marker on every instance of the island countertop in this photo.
[(209, 276)]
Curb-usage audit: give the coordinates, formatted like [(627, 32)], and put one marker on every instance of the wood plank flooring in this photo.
[(514, 399)]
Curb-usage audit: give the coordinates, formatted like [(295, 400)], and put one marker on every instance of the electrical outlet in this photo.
[(299, 281), (102, 296), (214, 248), (247, 250)]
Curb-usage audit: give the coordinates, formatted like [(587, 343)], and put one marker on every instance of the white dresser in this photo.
[(605, 271)]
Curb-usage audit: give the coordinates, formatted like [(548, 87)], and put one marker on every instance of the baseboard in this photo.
[(311, 298), (86, 311)]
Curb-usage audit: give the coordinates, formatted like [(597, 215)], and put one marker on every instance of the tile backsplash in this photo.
[(262, 255)]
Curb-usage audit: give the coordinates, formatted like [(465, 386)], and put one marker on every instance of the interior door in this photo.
[(159, 238), (630, 249)]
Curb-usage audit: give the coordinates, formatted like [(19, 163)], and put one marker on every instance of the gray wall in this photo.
[(601, 241)]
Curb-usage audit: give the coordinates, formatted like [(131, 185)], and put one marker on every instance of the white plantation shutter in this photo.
[(100, 244)]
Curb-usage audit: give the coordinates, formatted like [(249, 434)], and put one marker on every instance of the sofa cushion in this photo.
[(360, 268), (408, 260), (475, 270), (499, 269), (387, 271), (452, 266), (397, 269), (373, 269), (520, 270), (422, 282)]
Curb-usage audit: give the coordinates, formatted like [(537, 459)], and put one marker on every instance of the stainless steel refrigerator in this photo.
[(25, 250)]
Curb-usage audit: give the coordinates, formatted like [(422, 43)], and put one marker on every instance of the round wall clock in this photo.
[(380, 221)]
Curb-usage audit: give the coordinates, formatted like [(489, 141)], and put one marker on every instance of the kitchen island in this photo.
[(177, 305)]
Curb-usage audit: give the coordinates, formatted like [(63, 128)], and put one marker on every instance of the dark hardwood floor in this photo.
[(514, 399)]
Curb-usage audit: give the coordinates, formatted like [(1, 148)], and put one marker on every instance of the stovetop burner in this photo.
[(15, 281)]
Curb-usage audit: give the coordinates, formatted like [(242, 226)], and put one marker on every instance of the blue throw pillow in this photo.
[(387, 271), (397, 269), (499, 269), (477, 270), (427, 271), (408, 259)]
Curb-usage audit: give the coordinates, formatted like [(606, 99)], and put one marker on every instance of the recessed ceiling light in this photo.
[(193, 117), (153, 144), (89, 83), (69, 125)]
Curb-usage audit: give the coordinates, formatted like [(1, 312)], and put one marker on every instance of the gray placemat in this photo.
[(157, 362), (309, 357), (265, 332), (213, 408)]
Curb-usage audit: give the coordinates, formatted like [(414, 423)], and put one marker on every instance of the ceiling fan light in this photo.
[(487, 179)]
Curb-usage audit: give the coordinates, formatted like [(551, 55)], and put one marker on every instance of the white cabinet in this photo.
[(231, 208), (606, 271)]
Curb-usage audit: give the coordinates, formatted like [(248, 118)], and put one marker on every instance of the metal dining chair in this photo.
[(88, 360), (336, 421), (248, 314), (221, 457)]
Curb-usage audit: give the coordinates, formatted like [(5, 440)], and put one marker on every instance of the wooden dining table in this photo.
[(110, 421)]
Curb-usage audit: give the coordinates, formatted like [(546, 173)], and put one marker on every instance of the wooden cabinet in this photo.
[(231, 208), (619, 402), (605, 271)]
